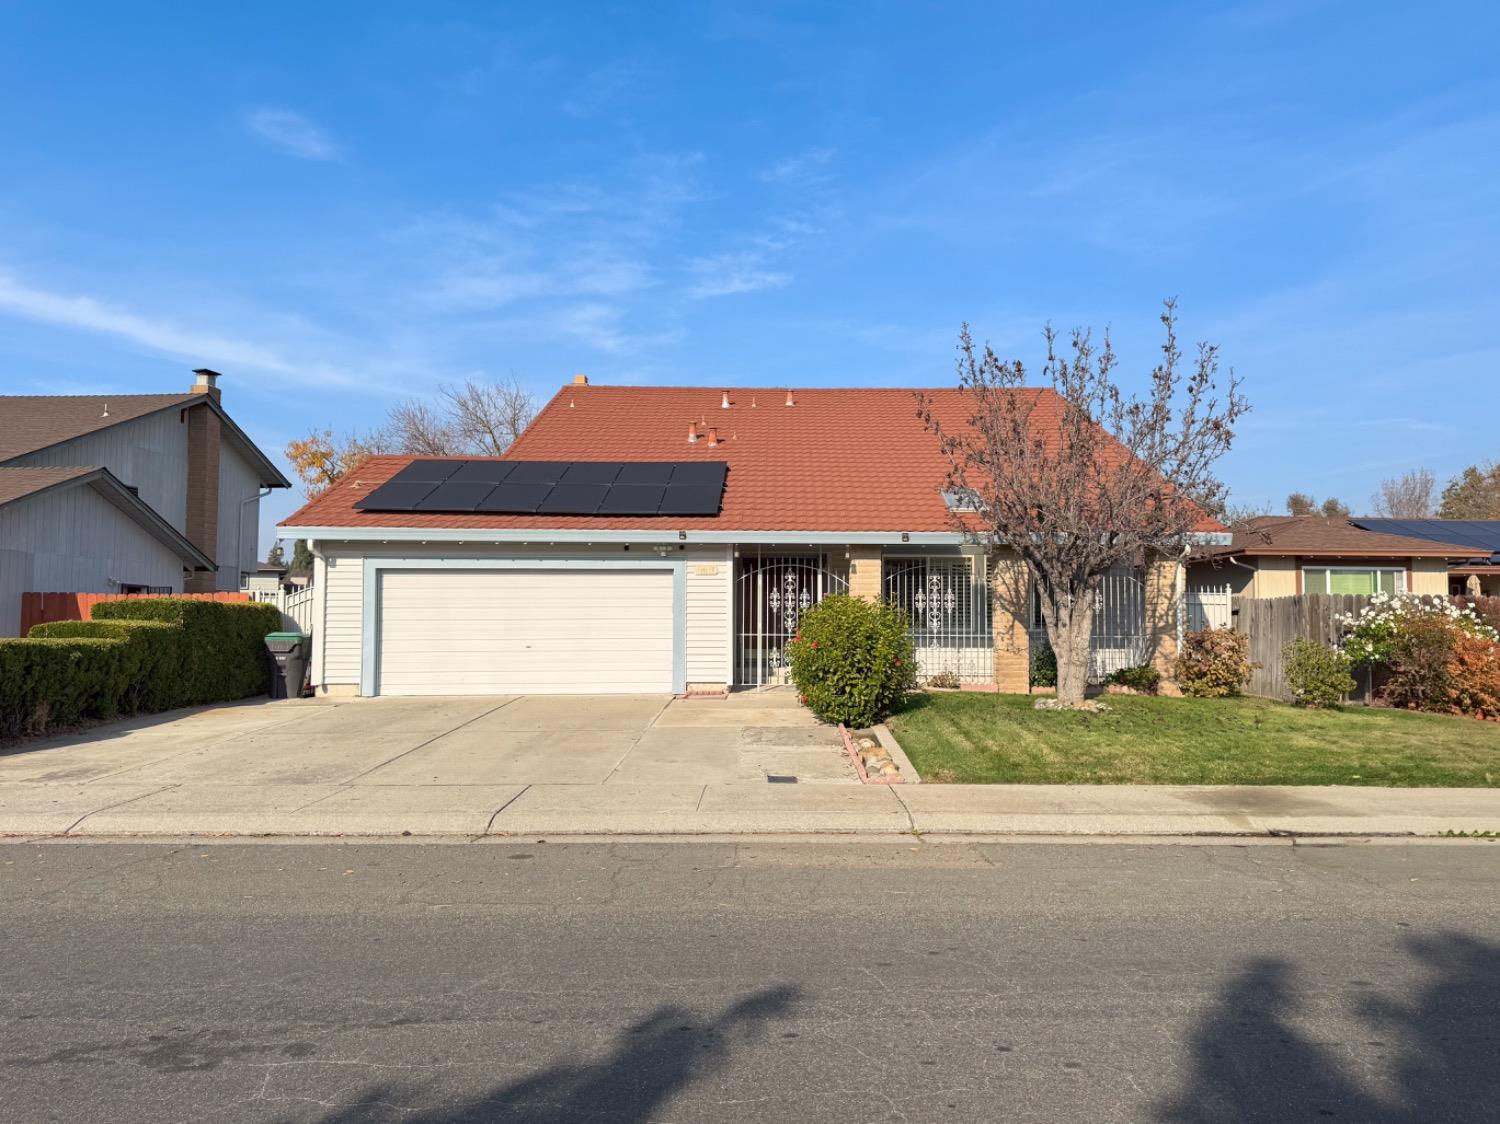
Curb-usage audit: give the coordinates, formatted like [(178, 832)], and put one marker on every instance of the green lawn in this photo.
[(1000, 739)]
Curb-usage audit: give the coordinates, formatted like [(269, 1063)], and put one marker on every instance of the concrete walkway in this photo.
[(636, 766)]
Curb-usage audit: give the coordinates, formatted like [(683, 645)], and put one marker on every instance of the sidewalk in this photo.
[(113, 809)]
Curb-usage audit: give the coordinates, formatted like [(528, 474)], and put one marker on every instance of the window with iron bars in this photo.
[(947, 604)]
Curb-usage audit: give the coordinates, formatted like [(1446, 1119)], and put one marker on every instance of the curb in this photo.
[(859, 765)]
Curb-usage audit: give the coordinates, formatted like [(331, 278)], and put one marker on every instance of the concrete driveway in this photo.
[(508, 740)]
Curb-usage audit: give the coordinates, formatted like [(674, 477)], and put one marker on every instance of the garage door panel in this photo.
[(515, 631)]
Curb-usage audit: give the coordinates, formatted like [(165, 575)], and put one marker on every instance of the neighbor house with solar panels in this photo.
[(1287, 555), (667, 539)]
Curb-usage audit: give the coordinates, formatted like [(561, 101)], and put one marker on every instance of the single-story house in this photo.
[(128, 493), (1474, 575), (1286, 555), (666, 539), (274, 577)]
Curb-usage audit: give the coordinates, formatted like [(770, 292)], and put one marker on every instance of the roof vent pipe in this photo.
[(692, 432), (713, 435), (724, 404), (789, 400)]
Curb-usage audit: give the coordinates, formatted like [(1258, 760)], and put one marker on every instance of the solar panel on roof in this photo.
[(491, 471), (645, 472), (500, 487), (455, 496), (591, 472), (708, 473), (574, 499), (435, 471), (690, 499), (397, 495), (515, 499), (537, 472), (632, 499)]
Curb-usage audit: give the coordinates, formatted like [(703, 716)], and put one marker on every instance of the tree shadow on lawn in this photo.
[(1438, 1058), (651, 1060)]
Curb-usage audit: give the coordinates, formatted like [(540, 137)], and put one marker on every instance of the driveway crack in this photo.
[(489, 827), (117, 804), (429, 741)]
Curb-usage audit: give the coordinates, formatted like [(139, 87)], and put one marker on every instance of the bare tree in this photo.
[(486, 418), (1086, 479), (416, 427), (1408, 496)]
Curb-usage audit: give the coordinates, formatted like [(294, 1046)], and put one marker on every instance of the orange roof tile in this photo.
[(851, 459)]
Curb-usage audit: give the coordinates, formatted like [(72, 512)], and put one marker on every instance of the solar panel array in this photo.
[(494, 487), (1481, 534)]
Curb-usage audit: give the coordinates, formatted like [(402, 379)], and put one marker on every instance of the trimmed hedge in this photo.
[(224, 651), (139, 655)]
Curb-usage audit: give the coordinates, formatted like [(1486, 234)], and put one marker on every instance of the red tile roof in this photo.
[(837, 460)]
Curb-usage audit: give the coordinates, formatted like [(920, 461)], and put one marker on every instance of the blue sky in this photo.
[(338, 205)]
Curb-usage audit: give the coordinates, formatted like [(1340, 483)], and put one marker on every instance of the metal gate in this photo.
[(770, 595), (947, 602), (1118, 639)]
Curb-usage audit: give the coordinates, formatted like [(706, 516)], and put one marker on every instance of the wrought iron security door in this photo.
[(771, 594), (947, 603)]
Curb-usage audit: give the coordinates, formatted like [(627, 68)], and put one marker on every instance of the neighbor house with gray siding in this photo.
[(129, 493)]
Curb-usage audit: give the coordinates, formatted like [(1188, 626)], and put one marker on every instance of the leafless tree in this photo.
[(469, 419), (1085, 479), (1408, 496)]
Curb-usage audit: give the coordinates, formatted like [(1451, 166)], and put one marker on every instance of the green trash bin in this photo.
[(289, 658)]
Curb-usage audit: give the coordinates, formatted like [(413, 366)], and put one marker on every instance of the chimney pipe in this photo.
[(725, 403), (206, 381), (713, 436), (692, 432), (789, 400), (580, 380)]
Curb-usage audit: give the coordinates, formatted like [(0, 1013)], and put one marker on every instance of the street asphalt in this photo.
[(751, 981)]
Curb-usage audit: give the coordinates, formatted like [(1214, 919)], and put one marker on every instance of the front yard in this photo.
[(1000, 739)]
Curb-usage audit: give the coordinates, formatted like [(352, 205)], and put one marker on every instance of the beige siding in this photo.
[(710, 614), (343, 596), (75, 541), (1274, 577), (149, 453), (1429, 575)]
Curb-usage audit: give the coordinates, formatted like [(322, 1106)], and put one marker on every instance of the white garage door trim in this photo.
[(373, 567)]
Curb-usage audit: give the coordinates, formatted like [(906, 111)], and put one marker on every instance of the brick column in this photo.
[(202, 528), (1009, 610), (1161, 615), (865, 579)]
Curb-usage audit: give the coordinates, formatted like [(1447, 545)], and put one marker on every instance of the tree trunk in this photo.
[(1071, 638)]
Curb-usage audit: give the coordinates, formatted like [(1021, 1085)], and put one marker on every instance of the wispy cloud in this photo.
[(291, 133), (743, 271), (806, 169), (603, 90), (87, 313)]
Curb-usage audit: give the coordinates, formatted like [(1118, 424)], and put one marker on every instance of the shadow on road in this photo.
[(651, 1060), (1436, 1059)]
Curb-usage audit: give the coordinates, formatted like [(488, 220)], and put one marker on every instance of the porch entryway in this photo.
[(771, 592)]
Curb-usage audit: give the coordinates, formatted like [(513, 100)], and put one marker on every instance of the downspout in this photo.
[(239, 542), (320, 630)]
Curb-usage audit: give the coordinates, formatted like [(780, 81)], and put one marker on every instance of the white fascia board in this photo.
[(541, 534)]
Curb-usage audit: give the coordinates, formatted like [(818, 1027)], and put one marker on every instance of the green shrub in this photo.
[(46, 683), (1421, 677), (1044, 666), (1143, 678), (224, 653), (150, 661), (1315, 675), (1214, 663), (852, 660)]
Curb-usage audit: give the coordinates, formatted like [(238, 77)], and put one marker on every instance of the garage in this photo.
[(524, 631)]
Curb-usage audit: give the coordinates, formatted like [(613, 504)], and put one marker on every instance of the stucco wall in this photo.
[(1429, 575)]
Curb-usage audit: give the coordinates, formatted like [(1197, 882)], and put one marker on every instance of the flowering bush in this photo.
[(1215, 663), (1316, 676), (1373, 635), (852, 660)]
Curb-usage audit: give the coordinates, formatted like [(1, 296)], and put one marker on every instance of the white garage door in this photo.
[(479, 632)]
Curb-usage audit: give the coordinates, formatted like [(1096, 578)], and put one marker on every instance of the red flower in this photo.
[(898, 663), (814, 643), (801, 698)]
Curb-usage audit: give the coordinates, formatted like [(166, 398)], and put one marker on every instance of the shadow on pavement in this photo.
[(1438, 1058), (654, 1058)]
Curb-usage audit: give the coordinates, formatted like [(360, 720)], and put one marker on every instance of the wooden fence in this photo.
[(1273, 622), (43, 608)]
